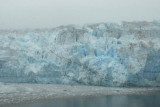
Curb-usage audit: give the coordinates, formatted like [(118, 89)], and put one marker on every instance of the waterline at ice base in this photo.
[(103, 54)]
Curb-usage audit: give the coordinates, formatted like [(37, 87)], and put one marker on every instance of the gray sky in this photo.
[(21, 14)]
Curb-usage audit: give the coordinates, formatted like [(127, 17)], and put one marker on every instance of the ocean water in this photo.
[(106, 101)]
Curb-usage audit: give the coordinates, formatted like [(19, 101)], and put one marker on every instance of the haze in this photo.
[(24, 14)]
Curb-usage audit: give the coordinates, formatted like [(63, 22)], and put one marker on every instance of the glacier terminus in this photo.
[(103, 54)]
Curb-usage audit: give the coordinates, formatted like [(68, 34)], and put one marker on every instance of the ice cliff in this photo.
[(106, 54)]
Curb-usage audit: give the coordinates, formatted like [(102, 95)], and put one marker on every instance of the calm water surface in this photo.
[(107, 101)]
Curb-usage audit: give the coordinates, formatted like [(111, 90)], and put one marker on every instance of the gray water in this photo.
[(107, 101)]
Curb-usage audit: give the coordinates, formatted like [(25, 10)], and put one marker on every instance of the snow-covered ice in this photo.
[(105, 54)]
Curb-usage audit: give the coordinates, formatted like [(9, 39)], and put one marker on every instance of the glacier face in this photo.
[(106, 54)]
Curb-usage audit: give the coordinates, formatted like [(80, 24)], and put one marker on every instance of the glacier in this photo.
[(102, 54)]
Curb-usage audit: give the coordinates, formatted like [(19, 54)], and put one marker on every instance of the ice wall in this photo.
[(106, 54)]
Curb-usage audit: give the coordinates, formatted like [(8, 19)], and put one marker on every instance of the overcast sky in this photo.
[(21, 14)]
